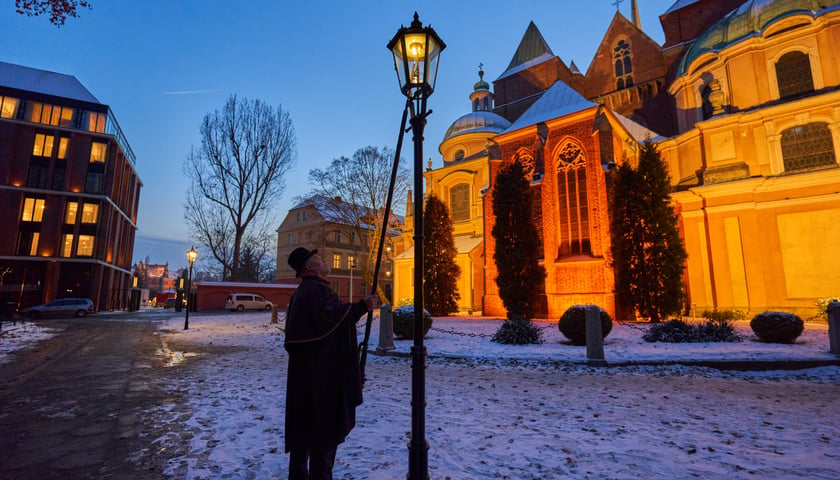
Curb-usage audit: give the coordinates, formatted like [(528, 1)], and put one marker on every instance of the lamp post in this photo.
[(352, 267), (416, 52), (191, 256)]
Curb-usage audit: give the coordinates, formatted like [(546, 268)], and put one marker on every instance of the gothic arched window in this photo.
[(807, 146), (793, 74), (623, 65), (573, 203), (459, 202)]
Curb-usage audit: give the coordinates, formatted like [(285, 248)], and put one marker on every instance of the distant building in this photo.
[(70, 192), (316, 224)]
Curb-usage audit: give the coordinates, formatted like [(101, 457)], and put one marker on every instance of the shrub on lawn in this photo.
[(572, 324), (777, 327), (518, 331), (404, 322), (678, 331)]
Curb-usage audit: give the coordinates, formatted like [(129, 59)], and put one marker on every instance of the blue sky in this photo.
[(161, 66)]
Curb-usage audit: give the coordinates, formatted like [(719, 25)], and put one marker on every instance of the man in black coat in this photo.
[(324, 384)]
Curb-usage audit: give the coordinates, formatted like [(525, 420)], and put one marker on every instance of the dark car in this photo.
[(79, 307)]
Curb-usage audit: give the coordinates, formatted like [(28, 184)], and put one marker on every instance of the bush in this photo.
[(678, 331), (723, 315), (518, 331), (404, 322), (777, 327), (572, 324)]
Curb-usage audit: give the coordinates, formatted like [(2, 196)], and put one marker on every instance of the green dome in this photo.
[(749, 20)]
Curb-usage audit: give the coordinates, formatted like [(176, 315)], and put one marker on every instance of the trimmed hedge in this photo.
[(404, 322), (572, 324), (518, 331), (678, 331), (777, 327)]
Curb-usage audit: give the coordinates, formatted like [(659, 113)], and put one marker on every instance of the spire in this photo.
[(634, 13), (481, 97), (533, 45)]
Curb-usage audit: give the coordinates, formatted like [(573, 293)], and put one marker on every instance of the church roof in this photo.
[(680, 4), (43, 81), (639, 132), (532, 50), (749, 20), (558, 101), (476, 122)]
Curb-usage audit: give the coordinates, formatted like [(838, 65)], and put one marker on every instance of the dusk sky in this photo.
[(162, 66)]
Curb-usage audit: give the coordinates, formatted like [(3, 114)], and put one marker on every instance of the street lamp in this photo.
[(416, 52), (191, 256)]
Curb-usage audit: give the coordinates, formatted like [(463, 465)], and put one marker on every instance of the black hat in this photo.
[(299, 257)]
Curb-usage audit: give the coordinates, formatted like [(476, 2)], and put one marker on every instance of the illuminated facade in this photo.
[(71, 192)]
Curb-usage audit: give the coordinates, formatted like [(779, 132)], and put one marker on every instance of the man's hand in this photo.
[(372, 301)]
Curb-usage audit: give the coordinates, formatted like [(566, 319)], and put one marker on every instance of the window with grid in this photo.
[(37, 112), (336, 260), (807, 146), (623, 65), (351, 261), (573, 203), (90, 213), (43, 146), (33, 209), (459, 202), (793, 74)]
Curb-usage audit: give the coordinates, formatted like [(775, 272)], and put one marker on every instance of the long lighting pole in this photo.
[(416, 52), (191, 256)]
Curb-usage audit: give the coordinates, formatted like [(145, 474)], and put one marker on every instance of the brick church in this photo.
[(741, 100)]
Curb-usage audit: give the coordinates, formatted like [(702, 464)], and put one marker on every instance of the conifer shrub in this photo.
[(572, 324), (404, 322), (723, 315), (777, 327), (518, 331), (678, 331)]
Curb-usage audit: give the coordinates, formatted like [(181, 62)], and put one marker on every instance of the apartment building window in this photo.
[(58, 176), (98, 150), (66, 249), (336, 260), (337, 236), (94, 122), (63, 142), (70, 212), (351, 261), (43, 146), (38, 175), (47, 114), (28, 243), (93, 182), (290, 240), (90, 213), (33, 209), (85, 247), (8, 107)]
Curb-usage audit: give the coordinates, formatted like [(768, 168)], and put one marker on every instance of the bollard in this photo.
[(386, 330), (834, 327), (273, 315), (594, 338)]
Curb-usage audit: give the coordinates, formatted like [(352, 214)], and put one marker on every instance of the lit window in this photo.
[(43, 146), (85, 248), (336, 260), (62, 147), (98, 151), (459, 202), (96, 122), (28, 243), (351, 261), (90, 213), (8, 107), (33, 210), (33, 249), (66, 245), (70, 213)]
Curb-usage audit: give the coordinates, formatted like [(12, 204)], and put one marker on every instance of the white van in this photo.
[(247, 301)]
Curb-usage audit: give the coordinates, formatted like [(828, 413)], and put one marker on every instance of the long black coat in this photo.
[(324, 385)]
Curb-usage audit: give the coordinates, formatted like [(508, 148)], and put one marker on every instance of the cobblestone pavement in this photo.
[(74, 407)]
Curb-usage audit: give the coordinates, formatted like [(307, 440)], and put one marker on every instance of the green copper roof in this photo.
[(532, 50), (749, 20)]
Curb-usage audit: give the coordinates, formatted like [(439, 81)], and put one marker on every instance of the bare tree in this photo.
[(237, 175), (58, 10), (357, 190)]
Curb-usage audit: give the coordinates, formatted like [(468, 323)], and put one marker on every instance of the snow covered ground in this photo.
[(516, 412)]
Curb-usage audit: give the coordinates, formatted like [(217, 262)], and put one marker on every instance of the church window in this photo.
[(459, 155), (459, 202), (793, 74), (623, 65), (807, 146), (573, 203)]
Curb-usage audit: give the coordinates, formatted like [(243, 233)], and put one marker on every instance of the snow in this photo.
[(504, 411)]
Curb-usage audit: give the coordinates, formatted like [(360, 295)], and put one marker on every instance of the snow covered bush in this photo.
[(723, 315), (678, 331), (404, 322), (572, 324), (518, 331), (777, 327)]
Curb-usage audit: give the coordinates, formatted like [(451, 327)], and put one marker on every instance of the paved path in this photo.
[(72, 408)]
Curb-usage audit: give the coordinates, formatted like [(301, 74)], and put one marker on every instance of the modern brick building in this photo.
[(70, 192)]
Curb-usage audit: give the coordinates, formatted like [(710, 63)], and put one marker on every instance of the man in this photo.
[(324, 384)]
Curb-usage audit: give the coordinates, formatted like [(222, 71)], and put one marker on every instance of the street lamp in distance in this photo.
[(191, 256), (416, 51)]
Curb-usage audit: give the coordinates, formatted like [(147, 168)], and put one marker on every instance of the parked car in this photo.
[(79, 307), (247, 301)]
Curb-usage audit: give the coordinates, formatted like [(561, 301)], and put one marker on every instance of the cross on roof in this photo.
[(617, 3)]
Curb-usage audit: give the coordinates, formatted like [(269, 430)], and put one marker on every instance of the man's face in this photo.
[(318, 266)]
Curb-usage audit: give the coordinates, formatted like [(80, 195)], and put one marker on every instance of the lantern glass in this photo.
[(192, 255), (416, 53)]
